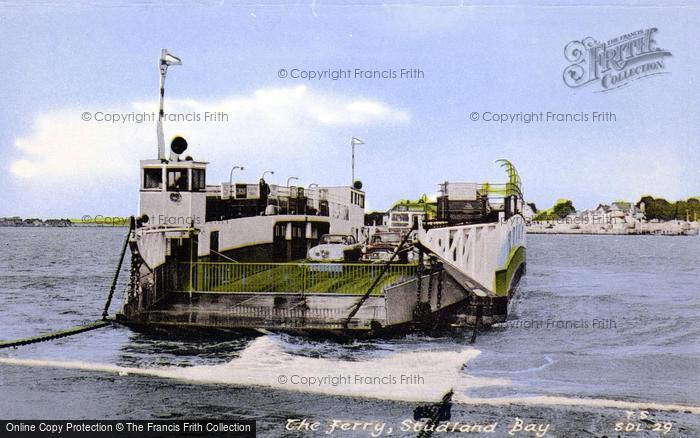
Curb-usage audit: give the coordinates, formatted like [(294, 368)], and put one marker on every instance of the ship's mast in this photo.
[(166, 59), (354, 141)]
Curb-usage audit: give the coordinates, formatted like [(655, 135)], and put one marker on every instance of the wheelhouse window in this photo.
[(280, 230), (198, 180), (177, 180), (153, 178), (357, 199)]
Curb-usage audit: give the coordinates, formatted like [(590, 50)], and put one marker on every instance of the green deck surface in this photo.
[(295, 277)]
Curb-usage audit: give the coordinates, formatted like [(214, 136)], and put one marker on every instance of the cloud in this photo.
[(292, 128)]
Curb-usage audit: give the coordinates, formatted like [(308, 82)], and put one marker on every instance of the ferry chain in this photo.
[(125, 244), (419, 277), (54, 335), (441, 275), (421, 313), (430, 281), (438, 305), (81, 328), (134, 275), (423, 310)]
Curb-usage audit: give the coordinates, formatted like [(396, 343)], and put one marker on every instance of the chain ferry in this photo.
[(250, 255)]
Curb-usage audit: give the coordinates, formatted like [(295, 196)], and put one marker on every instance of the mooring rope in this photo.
[(81, 328)]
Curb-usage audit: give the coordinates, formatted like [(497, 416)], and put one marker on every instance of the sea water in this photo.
[(601, 331)]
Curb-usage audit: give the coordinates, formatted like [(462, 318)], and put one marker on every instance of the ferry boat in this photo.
[(233, 256)]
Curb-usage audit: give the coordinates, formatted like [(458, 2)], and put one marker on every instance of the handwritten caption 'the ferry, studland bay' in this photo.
[(616, 62)]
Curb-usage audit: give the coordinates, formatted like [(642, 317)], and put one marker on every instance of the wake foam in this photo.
[(409, 376), (433, 373)]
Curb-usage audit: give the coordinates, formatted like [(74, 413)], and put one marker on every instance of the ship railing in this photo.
[(306, 278), (284, 199), (477, 250)]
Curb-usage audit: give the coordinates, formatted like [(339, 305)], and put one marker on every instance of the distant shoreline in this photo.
[(602, 233), (66, 226), (635, 228), (18, 222)]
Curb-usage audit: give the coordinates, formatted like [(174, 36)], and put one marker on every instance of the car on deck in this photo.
[(382, 246), (335, 248)]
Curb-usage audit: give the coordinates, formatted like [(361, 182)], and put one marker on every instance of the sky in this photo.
[(62, 60)]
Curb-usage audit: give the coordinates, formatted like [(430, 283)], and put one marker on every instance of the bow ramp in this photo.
[(486, 260)]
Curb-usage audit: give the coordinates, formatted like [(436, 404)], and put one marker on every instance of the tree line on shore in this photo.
[(661, 209), (653, 208)]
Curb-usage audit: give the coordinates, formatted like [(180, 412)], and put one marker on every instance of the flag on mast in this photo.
[(356, 140), (169, 59)]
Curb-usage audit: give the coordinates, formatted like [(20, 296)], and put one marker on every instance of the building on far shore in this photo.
[(620, 217), (16, 221)]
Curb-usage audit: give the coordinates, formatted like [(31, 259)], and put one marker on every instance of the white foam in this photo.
[(264, 363)]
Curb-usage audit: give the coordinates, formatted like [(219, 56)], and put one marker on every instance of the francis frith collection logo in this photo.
[(614, 63)]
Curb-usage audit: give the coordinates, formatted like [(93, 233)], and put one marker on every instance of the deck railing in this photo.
[(478, 250), (309, 278)]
